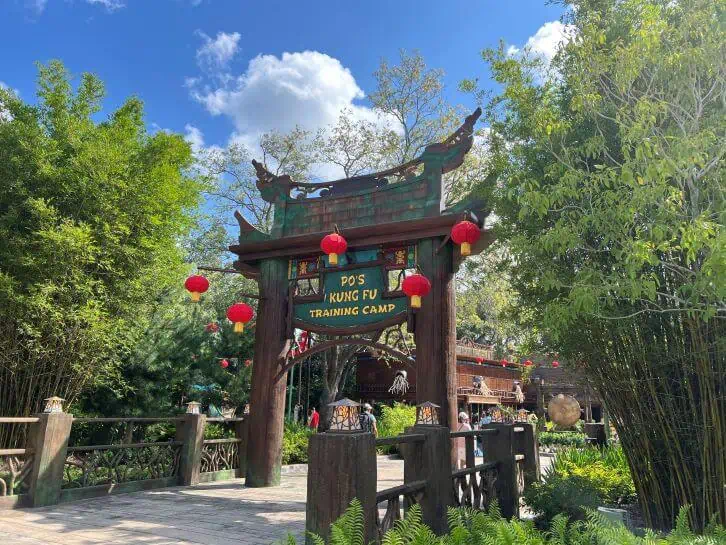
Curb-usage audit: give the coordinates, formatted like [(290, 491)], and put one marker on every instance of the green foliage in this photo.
[(610, 211), (90, 217), (295, 443), (469, 527), (561, 438), (581, 480), (394, 421)]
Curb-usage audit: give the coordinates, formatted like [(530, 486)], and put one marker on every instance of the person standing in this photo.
[(368, 421), (461, 441), (313, 419)]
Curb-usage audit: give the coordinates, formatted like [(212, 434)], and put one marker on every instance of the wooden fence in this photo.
[(50, 471), (344, 466)]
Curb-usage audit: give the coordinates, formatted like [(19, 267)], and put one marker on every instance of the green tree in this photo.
[(610, 196), (90, 218)]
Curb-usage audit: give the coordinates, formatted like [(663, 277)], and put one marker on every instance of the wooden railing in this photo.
[(49, 471)]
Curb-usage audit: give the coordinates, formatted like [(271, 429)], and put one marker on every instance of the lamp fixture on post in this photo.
[(427, 414), (193, 407), (53, 404), (345, 416)]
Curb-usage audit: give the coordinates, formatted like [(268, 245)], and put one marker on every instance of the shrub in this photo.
[(217, 431), (295, 443), (561, 439), (394, 421), (579, 480)]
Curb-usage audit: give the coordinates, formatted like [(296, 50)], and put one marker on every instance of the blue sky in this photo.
[(216, 69)]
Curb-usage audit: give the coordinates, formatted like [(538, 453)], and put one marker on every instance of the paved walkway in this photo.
[(222, 513)]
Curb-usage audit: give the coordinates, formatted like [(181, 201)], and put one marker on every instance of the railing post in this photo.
[(340, 467), (240, 432), (526, 443), (500, 449), (49, 441), (431, 461), (191, 432)]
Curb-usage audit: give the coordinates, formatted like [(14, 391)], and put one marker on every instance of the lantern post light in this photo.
[(345, 416), (196, 285), (416, 286), (239, 314), (465, 233), (193, 407), (53, 404), (427, 414)]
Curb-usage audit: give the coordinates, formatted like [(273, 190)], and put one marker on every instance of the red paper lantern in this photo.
[(196, 285), (555, 364), (333, 245), (416, 286), (224, 363), (480, 360), (248, 363), (465, 233), (528, 363), (504, 363), (240, 314), (211, 327)]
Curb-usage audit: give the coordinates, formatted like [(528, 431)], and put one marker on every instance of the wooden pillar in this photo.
[(191, 432), (341, 467), (49, 441), (500, 449), (267, 397), (429, 461), (436, 332), (240, 432), (527, 444)]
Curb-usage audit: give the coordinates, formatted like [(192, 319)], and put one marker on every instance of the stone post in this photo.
[(49, 441), (341, 467), (500, 449), (430, 461), (191, 432), (527, 444)]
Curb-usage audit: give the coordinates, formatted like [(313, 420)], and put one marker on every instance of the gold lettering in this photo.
[(355, 311), (366, 309)]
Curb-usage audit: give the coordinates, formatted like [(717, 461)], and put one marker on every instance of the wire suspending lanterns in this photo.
[(416, 286), (465, 233), (196, 285), (239, 314), (333, 245)]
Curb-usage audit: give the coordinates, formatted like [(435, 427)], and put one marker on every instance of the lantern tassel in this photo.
[(415, 301), (333, 259), (465, 248), (196, 296), (239, 327)]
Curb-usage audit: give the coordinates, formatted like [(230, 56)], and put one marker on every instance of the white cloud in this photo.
[(305, 88), (38, 6), (215, 54), (110, 5), (546, 41), (194, 136)]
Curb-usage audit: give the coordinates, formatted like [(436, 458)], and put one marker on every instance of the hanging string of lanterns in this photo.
[(196, 285), (465, 233)]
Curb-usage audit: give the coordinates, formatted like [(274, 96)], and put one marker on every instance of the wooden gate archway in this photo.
[(392, 220)]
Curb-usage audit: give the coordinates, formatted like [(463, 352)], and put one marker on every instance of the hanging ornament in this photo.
[(240, 314), (333, 245), (211, 327), (400, 384), (248, 363), (465, 233), (196, 285), (416, 286), (528, 363), (555, 364), (504, 363), (224, 363), (480, 360)]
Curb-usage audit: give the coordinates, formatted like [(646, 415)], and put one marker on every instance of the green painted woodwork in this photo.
[(352, 297)]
